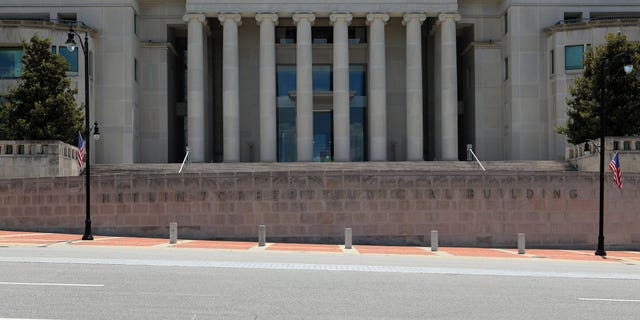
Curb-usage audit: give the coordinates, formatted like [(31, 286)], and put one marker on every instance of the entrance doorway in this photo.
[(322, 136)]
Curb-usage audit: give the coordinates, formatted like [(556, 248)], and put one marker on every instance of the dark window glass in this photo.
[(626, 145), (573, 56), (71, 57), (358, 111), (285, 35), (357, 35), (506, 68), (322, 77), (322, 35), (286, 112), (553, 62), (10, 62)]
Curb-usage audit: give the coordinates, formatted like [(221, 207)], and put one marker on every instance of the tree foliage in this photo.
[(42, 105), (622, 93)]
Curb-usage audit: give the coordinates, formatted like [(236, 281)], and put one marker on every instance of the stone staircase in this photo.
[(428, 166)]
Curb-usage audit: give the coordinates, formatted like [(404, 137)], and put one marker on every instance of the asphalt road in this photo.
[(138, 283)]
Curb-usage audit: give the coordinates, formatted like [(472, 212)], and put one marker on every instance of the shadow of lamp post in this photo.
[(71, 46)]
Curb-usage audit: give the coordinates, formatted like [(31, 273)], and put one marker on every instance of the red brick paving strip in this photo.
[(216, 245), (391, 250), (38, 238), (480, 252), (305, 247), (133, 242), (568, 255)]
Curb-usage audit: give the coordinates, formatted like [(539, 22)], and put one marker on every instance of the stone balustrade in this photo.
[(585, 156)]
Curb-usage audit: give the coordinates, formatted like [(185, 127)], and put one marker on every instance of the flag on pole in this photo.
[(80, 150), (615, 167)]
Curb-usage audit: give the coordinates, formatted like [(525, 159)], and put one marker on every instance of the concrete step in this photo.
[(428, 166)]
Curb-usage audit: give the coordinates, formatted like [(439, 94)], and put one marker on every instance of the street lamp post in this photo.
[(628, 68), (71, 46)]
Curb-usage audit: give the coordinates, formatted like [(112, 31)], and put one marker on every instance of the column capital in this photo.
[(235, 17), (195, 16), (384, 17), (421, 17), (303, 16), (450, 15), (340, 16), (267, 17)]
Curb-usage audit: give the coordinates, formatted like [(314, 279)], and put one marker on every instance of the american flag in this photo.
[(80, 150), (615, 167)]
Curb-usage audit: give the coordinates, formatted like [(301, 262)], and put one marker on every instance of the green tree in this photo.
[(622, 94), (42, 105)]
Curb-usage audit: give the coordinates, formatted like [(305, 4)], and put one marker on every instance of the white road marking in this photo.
[(50, 284), (608, 300)]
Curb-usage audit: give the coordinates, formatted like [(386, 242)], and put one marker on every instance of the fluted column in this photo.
[(341, 132), (449, 81), (377, 87), (413, 22), (268, 137), (195, 90), (304, 86), (230, 87)]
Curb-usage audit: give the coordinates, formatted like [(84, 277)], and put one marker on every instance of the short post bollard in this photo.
[(262, 235), (434, 240), (347, 238), (173, 233), (521, 243)]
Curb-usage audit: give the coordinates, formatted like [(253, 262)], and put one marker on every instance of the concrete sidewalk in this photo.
[(18, 238)]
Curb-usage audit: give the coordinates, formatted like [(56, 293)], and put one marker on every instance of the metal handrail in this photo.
[(477, 160), (184, 161)]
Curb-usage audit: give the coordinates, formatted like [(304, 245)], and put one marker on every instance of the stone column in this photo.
[(449, 81), (195, 90), (341, 131), (377, 87), (230, 88), (413, 22), (268, 137), (304, 86)]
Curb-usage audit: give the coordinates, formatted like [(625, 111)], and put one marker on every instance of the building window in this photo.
[(357, 35), (506, 68), (506, 22), (573, 56), (322, 75), (135, 24), (286, 112), (286, 35), (10, 62), (70, 56), (572, 17), (321, 35), (135, 70), (552, 62)]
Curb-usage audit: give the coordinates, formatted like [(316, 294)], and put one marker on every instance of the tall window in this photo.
[(286, 112), (285, 35), (10, 62), (358, 111), (552, 62), (506, 68), (70, 57), (573, 56), (506, 22)]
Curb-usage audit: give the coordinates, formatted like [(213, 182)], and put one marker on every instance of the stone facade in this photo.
[(440, 74), (33, 159), (554, 209)]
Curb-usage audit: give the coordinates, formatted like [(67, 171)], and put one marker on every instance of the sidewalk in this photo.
[(17, 238)]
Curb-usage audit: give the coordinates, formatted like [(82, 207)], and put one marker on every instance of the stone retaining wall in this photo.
[(556, 209)]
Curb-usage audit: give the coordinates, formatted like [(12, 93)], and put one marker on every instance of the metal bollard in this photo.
[(434, 240), (521, 243), (262, 235), (173, 232), (347, 238)]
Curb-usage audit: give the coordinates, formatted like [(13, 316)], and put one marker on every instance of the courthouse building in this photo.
[(326, 80)]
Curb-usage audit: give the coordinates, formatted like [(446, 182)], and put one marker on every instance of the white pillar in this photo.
[(195, 90), (230, 88), (268, 134), (413, 22), (341, 131), (377, 87), (449, 81), (304, 86)]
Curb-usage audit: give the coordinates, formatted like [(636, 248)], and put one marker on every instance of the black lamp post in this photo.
[(71, 46), (628, 68)]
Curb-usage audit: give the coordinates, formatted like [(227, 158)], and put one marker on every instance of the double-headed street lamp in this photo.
[(628, 68), (71, 46)]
